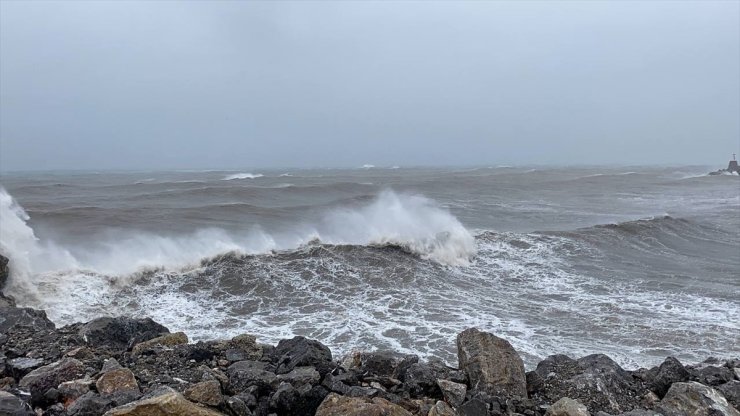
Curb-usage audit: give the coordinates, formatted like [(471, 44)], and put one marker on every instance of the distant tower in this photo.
[(733, 167)]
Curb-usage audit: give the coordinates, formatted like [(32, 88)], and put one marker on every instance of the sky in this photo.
[(230, 84)]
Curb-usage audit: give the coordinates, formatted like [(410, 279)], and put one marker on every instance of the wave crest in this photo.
[(242, 176)]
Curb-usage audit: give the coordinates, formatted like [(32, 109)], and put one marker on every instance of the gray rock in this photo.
[(50, 376), (301, 376), (11, 405), (110, 364), (567, 407), (248, 346), (670, 371), (11, 317), (695, 399), (4, 271), (19, 367), (245, 374), (90, 404), (238, 407), (712, 375), (473, 407), (442, 409), (491, 363), (120, 333), (381, 363), (453, 393), (731, 391), (301, 352), (205, 392), (595, 380)]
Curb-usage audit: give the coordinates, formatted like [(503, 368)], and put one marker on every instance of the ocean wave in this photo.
[(242, 176)]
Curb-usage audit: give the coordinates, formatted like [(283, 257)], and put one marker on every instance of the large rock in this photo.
[(50, 376), (205, 392), (11, 405), (19, 367), (453, 393), (288, 400), (491, 363), (4, 271), (245, 345), (120, 333), (595, 380), (90, 404), (11, 317), (336, 405), (695, 399), (731, 391), (246, 374), (169, 404), (300, 352), (118, 381), (380, 363), (167, 340), (420, 379), (671, 371), (567, 407), (442, 409)]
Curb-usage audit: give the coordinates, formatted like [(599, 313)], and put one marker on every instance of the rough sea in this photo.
[(636, 262)]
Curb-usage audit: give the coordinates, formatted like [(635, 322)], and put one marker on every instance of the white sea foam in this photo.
[(368, 166), (242, 176)]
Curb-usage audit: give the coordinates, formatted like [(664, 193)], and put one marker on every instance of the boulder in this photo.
[(246, 374), (168, 404), (670, 371), (300, 351), (120, 333), (167, 340), (11, 405), (712, 375), (118, 381), (245, 345), (19, 367), (595, 380), (238, 407), (473, 407), (72, 390), (491, 364), (301, 376), (50, 376), (205, 392), (4, 271), (11, 317), (731, 391), (567, 407), (692, 398), (442, 409), (90, 404), (420, 379), (336, 405), (380, 363), (453, 393)]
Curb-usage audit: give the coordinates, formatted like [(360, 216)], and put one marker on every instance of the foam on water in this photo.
[(242, 176)]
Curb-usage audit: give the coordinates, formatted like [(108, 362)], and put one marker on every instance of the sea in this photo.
[(636, 262)]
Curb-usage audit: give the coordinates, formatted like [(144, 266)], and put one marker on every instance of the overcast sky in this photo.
[(208, 84)]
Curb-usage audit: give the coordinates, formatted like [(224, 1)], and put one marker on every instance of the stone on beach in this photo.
[(491, 363)]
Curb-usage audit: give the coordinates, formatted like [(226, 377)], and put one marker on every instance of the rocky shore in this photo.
[(117, 366)]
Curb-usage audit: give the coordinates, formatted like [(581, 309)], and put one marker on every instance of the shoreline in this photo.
[(135, 366)]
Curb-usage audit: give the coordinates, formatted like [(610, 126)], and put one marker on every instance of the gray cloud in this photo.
[(148, 85)]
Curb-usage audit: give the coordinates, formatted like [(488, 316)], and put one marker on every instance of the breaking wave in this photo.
[(242, 176)]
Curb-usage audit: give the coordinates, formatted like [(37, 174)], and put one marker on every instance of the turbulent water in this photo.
[(638, 263)]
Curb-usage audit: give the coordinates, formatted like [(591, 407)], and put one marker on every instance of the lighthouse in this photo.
[(732, 167)]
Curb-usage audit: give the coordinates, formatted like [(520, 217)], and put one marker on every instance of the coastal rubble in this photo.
[(117, 366)]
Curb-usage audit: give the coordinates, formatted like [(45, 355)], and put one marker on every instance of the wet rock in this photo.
[(567, 407), (11, 318), (595, 380), (712, 375), (50, 376), (238, 407), (420, 379), (695, 399), (453, 393), (19, 367), (335, 384), (491, 363), (167, 340), (118, 381), (245, 374), (247, 345), (168, 404), (301, 376), (300, 351), (473, 407), (670, 371), (731, 391), (110, 364), (90, 404), (205, 392), (4, 270), (442, 409), (120, 333), (381, 363), (335, 405), (11, 405)]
